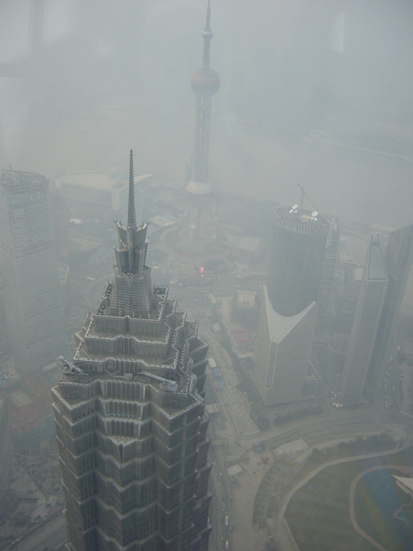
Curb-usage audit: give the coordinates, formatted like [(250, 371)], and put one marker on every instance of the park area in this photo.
[(319, 514)]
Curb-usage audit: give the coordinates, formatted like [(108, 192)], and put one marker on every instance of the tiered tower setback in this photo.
[(129, 414)]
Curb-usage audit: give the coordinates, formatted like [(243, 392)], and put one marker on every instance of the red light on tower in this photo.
[(201, 270)]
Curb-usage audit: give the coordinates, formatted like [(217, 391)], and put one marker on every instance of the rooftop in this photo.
[(300, 215), (93, 179), (405, 483), (18, 181)]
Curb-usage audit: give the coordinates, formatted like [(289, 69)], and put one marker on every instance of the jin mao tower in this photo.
[(129, 414)]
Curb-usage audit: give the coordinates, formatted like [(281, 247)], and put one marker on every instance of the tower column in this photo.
[(204, 83)]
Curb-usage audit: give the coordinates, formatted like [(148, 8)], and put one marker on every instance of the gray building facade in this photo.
[(130, 420), (288, 305), (29, 271), (365, 325), (296, 259), (398, 257), (283, 350), (326, 281)]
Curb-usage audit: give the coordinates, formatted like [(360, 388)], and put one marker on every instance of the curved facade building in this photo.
[(296, 259), (289, 304)]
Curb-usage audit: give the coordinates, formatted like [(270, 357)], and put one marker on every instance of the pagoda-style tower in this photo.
[(129, 414), (204, 83)]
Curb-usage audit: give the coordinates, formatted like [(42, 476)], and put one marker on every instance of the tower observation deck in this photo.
[(204, 83)]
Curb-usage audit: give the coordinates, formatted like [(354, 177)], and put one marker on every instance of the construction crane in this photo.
[(304, 194)]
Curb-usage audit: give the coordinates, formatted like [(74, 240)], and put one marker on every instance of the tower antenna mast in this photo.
[(204, 83)]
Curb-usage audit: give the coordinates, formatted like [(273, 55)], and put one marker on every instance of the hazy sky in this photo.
[(114, 75)]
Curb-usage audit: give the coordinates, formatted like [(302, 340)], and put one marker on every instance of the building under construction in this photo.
[(129, 413)]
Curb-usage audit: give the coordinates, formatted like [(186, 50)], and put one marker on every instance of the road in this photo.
[(330, 426), (52, 536), (221, 502)]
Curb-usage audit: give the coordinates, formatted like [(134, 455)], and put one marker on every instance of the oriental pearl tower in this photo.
[(204, 83)]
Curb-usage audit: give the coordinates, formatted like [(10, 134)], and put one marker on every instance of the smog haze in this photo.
[(297, 78)]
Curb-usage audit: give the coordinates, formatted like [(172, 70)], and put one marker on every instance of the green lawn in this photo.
[(318, 514), (376, 499)]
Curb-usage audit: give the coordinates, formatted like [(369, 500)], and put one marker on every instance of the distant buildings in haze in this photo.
[(29, 271), (365, 324), (389, 293)]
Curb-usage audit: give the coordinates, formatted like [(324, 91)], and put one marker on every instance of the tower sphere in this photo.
[(205, 82), (199, 193)]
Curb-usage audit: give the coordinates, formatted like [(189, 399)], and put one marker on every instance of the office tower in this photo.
[(398, 257), (288, 305), (29, 271), (283, 349), (296, 259), (204, 83), (365, 324), (129, 413), (326, 280)]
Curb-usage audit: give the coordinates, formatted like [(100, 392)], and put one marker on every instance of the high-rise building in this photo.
[(204, 83), (296, 259), (283, 349), (326, 280), (29, 270), (288, 305), (398, 258), (365, 324), (129, 413)]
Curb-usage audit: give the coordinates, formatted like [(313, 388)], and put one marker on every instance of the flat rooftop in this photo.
[(92, 179), (300, 215)]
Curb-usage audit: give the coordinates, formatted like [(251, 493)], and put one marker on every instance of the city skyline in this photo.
[(241, 368)]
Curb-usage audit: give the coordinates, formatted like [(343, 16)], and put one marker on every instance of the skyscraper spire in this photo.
[(207, 36), (131, 198)]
